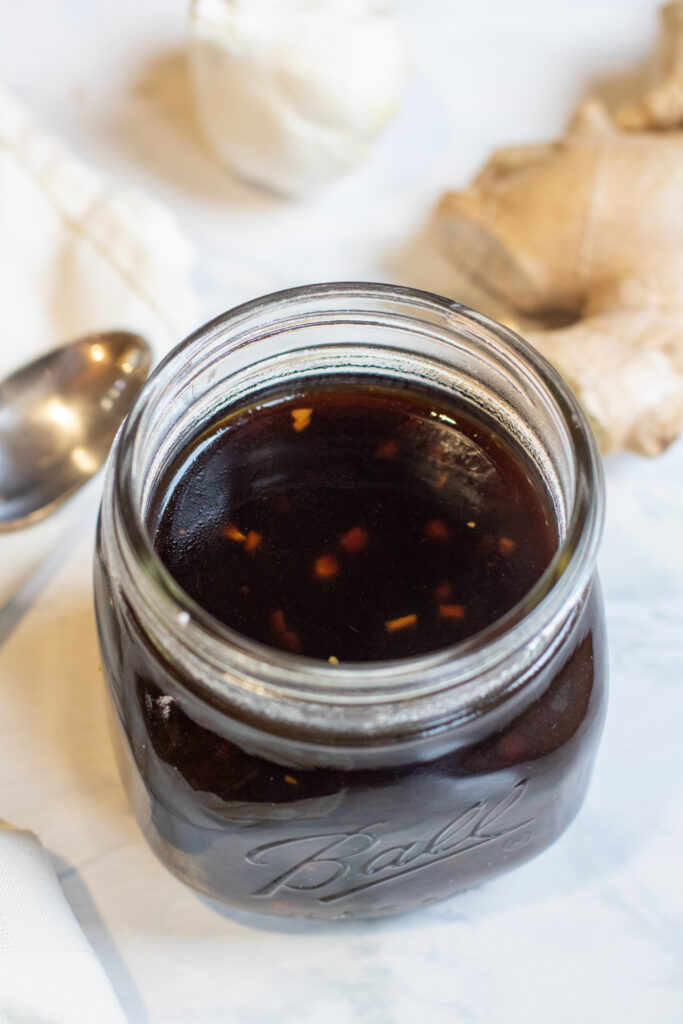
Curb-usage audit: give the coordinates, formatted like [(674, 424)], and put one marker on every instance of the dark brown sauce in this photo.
[(354, 521)]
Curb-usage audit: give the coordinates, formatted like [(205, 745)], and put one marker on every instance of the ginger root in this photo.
[(593, 225), (662, 105)]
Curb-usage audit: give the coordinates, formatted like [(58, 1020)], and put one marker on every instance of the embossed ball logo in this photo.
[(340, 865)]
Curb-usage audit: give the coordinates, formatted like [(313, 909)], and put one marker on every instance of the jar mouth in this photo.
[(269, 670)]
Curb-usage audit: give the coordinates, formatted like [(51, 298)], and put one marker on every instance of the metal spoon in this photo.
[(58, 418)]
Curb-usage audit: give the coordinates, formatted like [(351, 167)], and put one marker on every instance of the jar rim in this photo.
[(270, 672)]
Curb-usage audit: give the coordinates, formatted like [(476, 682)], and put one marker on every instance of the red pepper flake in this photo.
[(355, 540), (444, 591), (436, 529), (506, 545), (287, 638), (486, 545), (512, 747), (291, 780), (404, 622), (232, 532), (277, 621), (440, 480), (281, 905), (326, 567), (452, 611), (301, 418), (252, 541), (387, 450)]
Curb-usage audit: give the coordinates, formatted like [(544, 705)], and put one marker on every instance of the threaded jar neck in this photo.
[(402, 335)]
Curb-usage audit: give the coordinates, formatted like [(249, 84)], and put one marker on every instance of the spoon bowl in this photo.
[(58, 418)]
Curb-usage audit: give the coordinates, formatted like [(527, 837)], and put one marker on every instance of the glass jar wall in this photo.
[(282, 784)]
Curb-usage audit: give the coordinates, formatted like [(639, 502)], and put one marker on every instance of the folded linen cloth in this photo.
[(49, 973), (77, 254)]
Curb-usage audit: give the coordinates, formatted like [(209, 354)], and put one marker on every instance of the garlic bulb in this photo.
[(292, 93)]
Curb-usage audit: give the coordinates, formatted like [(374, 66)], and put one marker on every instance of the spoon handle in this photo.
[(24, 552)]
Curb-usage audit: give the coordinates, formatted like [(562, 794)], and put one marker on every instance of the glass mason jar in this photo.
[(283, 784)]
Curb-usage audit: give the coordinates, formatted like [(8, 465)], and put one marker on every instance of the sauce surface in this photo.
[(354, 521)]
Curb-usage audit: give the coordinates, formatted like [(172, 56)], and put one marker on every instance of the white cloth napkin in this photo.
[(49, 973), (77, 254)]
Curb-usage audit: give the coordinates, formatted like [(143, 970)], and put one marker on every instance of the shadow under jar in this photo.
[(289, 784)]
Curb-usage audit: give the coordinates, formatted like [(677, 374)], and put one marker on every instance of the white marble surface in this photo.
[(593, 929)]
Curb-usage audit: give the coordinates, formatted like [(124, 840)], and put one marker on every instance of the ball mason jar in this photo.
[(283, 784)]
